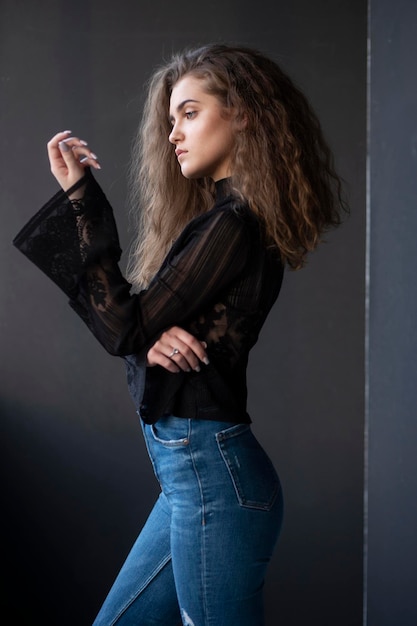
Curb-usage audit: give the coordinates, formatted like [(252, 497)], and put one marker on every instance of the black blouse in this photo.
[(218, 281)]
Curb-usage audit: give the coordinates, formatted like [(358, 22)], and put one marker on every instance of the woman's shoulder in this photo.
[(225, 221), (229, 210)]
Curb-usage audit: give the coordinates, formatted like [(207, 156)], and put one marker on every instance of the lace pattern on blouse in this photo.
[(218, 281)]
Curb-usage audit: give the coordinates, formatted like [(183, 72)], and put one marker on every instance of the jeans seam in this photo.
[(203, 533), (151, 576)]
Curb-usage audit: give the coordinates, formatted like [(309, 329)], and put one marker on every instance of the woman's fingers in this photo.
[(185, 349), (80, 150), (52, 145), (176, 350), (76, 152), (155, 357), (69, 156)]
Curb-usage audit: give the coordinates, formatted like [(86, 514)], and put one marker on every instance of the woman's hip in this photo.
[(217, 468)]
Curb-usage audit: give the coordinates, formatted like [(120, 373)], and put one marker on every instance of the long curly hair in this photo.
[(281, 164)]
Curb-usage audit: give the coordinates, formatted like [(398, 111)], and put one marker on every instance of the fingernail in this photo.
[(67, 132), (197, 369), (83, 159), (206, 361), (93, 156), (63, 146), (204, 344), (83, 143)]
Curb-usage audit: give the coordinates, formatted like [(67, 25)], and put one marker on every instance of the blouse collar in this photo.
[(223, 189)]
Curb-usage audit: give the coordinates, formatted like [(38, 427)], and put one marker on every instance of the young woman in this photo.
[(234, 181)]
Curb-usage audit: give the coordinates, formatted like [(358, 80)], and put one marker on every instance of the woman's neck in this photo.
[(223, 188)]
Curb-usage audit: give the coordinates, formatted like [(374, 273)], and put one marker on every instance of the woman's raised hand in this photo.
[(177, 350), (69, 156)]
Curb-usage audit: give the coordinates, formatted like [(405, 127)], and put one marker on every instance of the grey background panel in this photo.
[(78, 482), (391, 424)]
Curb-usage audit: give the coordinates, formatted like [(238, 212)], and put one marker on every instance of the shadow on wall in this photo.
[(71, 512)]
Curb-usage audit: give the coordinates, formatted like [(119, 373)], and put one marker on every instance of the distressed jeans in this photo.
[(201, 558)]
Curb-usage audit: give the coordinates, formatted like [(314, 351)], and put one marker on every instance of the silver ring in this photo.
[(175, 351)]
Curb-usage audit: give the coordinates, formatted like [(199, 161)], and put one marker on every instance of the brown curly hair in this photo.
[(281, 164)]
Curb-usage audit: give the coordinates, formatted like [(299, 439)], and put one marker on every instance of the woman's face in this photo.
[(202, 131)]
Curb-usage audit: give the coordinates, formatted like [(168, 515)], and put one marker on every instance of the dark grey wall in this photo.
[(391, 580), (78, 484)]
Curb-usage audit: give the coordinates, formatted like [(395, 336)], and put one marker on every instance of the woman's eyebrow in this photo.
[(181, 105)]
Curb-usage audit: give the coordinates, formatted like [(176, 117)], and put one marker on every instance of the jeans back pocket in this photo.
[(254, 478)]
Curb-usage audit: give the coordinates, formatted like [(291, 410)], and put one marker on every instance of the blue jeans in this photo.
[(201, 557)]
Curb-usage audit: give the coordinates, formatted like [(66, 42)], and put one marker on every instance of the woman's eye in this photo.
[(190, 114)]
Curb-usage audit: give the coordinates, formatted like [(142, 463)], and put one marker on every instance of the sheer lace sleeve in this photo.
[(78, 247), (55, 239)]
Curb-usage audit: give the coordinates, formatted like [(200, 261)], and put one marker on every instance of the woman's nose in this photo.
[(175, 134)]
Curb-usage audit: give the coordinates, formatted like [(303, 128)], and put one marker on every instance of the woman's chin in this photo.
[(191, 173)]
